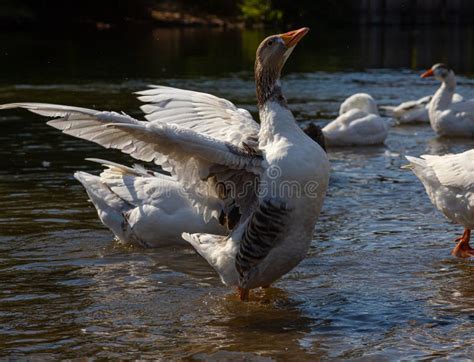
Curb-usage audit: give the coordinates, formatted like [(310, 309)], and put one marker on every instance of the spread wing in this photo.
[(199, 160), (201, 112)]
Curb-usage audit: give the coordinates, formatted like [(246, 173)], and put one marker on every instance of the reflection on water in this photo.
[(395, 47), (378, 281), (191, 52)]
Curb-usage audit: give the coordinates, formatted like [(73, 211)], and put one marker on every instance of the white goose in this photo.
[(266, 182), (414, 111), (143, 207), (449, 182), (448, 118), (358, 123)]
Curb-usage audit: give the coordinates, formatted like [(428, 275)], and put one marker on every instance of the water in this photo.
[(378, 282)]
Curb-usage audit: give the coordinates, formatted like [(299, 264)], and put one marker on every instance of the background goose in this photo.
[(358, 123), (449, 182), (448, 118), (414, 111), (229, 168), (143, 207)]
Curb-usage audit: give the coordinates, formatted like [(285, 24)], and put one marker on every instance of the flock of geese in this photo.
[(247, 195)]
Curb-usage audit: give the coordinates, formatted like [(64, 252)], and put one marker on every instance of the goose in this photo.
[(143, 207), (448, 118), (358, 123), (146, 208), (265, 183), (449, 183), (414, 111)]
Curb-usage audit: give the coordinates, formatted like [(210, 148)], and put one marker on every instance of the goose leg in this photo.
[(463, 249), (243, 294), (461, 237)]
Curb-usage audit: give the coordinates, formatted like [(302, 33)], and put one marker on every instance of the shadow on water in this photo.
[(378, 281)]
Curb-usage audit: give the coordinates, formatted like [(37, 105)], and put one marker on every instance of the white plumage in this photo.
[(358, 123), (448, 118), (286, 149), (174, 146), (143, 207), (201, 112), (449, 182), (414, 111)]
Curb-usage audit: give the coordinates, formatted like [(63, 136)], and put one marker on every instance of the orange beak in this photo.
[(428, 73), (293, 37)]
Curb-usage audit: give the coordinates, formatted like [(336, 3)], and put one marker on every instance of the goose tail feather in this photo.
[(110, 208)]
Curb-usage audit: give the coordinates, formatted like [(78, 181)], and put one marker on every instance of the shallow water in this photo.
[(378, 281)]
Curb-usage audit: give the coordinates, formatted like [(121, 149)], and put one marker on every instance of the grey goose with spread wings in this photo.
[(212, 151)]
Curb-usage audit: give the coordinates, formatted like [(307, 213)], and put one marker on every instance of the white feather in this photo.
[(449, 182), (358, 123), (448, 118)]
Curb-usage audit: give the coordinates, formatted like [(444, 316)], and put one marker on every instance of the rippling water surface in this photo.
[(378, 281)]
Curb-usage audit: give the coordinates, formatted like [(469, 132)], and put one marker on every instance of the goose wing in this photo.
[(464, 106), (408, 106), (201, 112), (456, 171), (356, 128), (238, 262), (201, 162)]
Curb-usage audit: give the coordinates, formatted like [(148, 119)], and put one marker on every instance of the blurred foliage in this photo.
[(117, 12), (260, 11), (225, 12)]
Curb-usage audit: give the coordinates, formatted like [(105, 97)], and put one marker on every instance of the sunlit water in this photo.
[(378, 281)]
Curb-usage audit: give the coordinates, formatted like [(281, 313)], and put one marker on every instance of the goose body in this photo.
[(414, 111), (142, 207), (263, 186), (449, 183), (358, 123), (288, 216), (448, 118), (277, 235)]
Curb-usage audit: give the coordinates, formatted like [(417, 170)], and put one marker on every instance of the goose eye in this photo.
[(270, 42)]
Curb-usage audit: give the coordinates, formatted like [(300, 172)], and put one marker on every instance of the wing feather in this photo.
[(260, 237), (188, 150), (202, 112), (456, 170)]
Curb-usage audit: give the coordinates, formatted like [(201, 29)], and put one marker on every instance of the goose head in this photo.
[(442, 73), (272, 54), (361, 101)]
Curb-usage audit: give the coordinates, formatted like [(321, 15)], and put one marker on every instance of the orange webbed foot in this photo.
[(463, 249)]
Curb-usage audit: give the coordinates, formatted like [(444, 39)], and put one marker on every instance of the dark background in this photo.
[(111, 13)]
